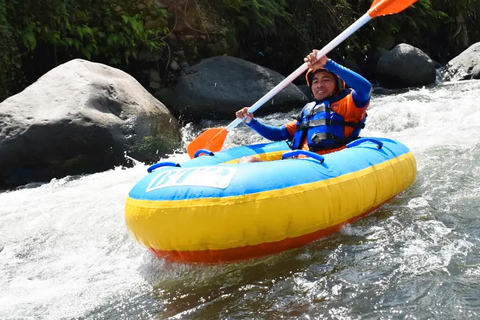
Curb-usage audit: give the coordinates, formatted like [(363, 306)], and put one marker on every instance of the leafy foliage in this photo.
[(111, 31), (9, 56), (249, 18), (281, 37), (273, 33)]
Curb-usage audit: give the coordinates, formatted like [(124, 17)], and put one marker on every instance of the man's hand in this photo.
[(244, 114), (313, 63)]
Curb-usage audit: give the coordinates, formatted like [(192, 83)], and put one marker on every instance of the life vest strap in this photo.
[(326, 122), (317, 109), (317, 138)]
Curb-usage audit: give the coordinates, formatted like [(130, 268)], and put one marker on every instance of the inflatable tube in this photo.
[(213, 209)]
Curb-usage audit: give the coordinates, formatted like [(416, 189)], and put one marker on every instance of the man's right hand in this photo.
[(244, 114), (313, 62)]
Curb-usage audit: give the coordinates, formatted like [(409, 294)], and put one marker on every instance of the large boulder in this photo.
[(218, 86), (81, 117), (405, 66), (465, 66)]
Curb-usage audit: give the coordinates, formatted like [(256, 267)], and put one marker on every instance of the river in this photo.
[(65, 252)]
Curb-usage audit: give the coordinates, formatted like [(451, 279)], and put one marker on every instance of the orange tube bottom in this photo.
[(249, 252)]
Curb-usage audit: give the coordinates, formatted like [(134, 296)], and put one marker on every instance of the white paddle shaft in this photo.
[(329, 47)]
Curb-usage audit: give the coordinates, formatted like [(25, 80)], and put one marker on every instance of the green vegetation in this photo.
[(285, 34), (54, 31), (274, 33)]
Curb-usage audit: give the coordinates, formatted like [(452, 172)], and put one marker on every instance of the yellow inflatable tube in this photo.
[(266, 207)]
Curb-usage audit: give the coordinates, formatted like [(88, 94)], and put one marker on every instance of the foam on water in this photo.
[(65, 247), (65, 251)]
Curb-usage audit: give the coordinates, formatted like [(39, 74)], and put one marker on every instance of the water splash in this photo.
[(65, 252)]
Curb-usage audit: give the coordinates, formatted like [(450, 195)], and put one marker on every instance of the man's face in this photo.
[(323, 84)]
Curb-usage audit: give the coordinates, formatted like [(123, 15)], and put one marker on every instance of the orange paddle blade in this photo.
[(384, 7), (211, 139)]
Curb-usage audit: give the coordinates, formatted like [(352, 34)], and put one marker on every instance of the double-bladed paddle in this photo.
[(212, 139)]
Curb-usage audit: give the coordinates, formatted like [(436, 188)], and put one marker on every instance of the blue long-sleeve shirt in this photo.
[(361, 93)]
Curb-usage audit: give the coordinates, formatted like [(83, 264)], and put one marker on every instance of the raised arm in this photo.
[(362, 88)]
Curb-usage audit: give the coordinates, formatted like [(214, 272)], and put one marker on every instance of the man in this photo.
[(332, 120)]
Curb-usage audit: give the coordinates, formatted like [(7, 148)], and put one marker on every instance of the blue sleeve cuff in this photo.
[(251, 123)]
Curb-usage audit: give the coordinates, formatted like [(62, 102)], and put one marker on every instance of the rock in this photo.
[(154, 75), (158, 4), (210, 50), (184, 65), (172, 39), (219, 86), (405, 66), (214, 49), (189, 38), (148, 56), (155, 85), (167, 97), (181, 53), (465, 66), (221, 47), (174, 66), (81, 117)]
